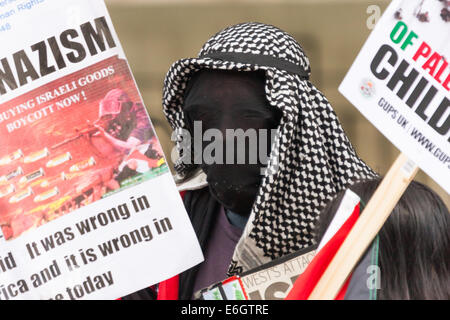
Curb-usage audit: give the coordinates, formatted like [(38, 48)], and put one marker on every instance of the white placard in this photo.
[(83, 215), (400, 81)]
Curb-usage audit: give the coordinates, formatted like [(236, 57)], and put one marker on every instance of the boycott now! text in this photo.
[(45, 111), (26, 109)]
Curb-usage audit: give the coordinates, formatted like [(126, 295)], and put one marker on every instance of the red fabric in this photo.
[(306, 282), (168, 289)]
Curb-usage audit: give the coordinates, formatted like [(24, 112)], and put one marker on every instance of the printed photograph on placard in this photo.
[(72, 142)]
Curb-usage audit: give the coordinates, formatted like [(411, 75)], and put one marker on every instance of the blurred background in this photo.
[(156, 33)]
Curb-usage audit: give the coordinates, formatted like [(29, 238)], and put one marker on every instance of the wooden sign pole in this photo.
[(366, 228)]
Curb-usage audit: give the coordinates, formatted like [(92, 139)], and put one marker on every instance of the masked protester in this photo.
[(253, 76), (234, 104)]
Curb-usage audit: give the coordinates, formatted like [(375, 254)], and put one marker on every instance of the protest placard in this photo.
[(400, 81), (270, 281), (88, 207)]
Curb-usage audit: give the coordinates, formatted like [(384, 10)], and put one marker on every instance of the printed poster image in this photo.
[(56, 161), (88, 206)]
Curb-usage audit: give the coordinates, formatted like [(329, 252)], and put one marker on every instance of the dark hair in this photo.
[(414, 254)]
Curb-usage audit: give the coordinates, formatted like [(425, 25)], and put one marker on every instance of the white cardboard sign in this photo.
[(81, 217), (400, 81)]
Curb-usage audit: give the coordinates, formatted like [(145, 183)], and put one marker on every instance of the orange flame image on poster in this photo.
[(67, 144)]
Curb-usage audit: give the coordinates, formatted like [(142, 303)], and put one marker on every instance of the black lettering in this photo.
[(143, 202), (417, 92), (255, 295), (400, 76), (382, 52), (6, 77), (56, 53), (106, 248), (426, 102), (21, 60), (91, 254), (165, 224), (102, 31), (69, 234), (41, 48), (274, 288), (48, 243), (97, 37), (7, 263), (443, 129), (83, 227), (75, 46)]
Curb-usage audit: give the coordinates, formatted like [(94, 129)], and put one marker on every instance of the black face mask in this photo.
[(232, 100)]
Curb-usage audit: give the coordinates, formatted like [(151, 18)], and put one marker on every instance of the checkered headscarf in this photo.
[(312, 158)]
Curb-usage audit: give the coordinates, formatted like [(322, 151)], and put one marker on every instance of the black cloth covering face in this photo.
[(224, 101), (311, 159)]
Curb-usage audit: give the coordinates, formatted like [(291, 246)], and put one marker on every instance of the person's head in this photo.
[(231, 105), (113, 104), (310, 158), (414, 242)]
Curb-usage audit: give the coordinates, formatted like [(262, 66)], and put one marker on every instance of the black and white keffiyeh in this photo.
[(312, 158)]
